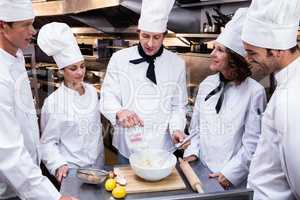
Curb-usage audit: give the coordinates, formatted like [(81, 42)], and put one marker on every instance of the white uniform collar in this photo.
[(71, 91), (283, 75), (10, 58)]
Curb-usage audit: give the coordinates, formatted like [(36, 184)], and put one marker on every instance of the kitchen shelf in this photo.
[(116, 47), (211, 2), (62, 7), (197, 55), (198, 35), (53, 84)]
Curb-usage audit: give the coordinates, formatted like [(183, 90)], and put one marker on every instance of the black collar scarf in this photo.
[(221, 86), (149, 59)]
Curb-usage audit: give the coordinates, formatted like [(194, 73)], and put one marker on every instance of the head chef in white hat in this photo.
[(57, 40), (148, 67), (152, 24), (231, 98), (59, 145), (20, 174), (270, 32), (270, 39)]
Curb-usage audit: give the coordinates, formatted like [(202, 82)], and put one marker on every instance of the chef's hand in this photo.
[(128, 119), (178, 137), (190, 158), (61, 172), (67, 198), (224, 182)]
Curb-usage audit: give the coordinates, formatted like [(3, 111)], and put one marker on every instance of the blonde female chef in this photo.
[(227, 111), (70, 120)]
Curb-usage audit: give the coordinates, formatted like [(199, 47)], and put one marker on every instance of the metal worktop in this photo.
[(73, 186)]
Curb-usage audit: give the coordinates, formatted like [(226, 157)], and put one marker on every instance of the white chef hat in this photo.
[(57, 40), (16, 10), (231, 35), (272, 24), (154, 15)]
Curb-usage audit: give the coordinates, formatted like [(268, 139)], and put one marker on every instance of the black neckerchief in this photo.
[(221, 86), (149, 59)]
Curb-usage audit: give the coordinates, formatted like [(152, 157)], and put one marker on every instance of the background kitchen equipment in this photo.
[(187, 1), (103, 51), (86, 49), (219, 20), (106, 47), (199, 48), (208, 26)]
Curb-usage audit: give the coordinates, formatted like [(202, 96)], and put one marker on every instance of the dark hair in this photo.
[(9, 23), (294, 49), (164, 33), (239, 65), (291, 50)]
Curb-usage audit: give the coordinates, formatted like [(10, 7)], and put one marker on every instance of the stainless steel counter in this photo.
[(73, 186)]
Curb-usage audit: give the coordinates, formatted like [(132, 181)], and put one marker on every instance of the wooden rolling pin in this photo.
[(191, 176)]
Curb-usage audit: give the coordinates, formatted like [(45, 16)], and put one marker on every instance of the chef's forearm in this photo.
[(24, 175), (177, 122)]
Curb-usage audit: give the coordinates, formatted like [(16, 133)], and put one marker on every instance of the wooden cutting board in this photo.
[(136, 184)]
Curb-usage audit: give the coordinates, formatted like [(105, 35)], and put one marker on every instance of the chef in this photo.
[(70, 119), (227, 112), (20, 174), (144, 91), (270, 39)]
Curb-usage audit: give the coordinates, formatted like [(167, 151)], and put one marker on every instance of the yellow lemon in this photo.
[(110, 184), (119, 192)]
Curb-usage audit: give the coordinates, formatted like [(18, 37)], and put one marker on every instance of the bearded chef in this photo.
[(144, 91), (270, 39), (20, 174)]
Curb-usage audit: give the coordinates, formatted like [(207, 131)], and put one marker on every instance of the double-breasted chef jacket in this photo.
[(274, 171), (161, 107), (19, 135), (71, 129), (227, 141)]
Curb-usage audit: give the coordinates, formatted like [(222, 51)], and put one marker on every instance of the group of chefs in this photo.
[(240, 137)]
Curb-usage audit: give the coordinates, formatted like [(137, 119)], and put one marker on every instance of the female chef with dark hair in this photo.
[(70, 119), (227, 110)]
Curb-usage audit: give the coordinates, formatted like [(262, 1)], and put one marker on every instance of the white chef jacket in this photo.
[(161, 107), (71, 129), (227, 141), (20, 174), (274, 171)]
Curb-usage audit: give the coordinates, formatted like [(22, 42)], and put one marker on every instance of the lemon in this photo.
[(110, 184), (119, 192)]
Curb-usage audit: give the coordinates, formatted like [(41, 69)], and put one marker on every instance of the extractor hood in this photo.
[(109, 16)]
